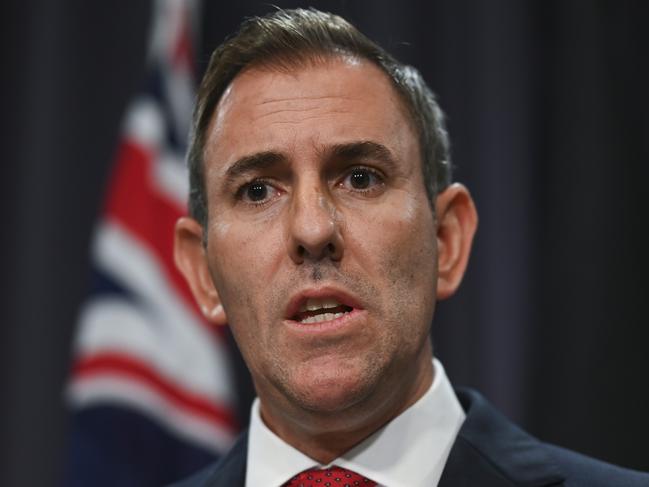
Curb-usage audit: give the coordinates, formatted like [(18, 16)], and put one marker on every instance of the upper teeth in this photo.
[(313, 304)]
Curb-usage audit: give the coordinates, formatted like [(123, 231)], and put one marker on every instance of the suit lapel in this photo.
[(231, 470), (492, 452)]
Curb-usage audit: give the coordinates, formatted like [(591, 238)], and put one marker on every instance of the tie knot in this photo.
[(329, 477)]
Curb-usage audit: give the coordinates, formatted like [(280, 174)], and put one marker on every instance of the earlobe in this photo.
[(215, 314), (457, 221), (191, 261)]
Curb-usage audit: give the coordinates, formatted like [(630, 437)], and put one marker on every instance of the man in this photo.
[(324, 227)]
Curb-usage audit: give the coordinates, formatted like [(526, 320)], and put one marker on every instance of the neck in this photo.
[(326, 436)]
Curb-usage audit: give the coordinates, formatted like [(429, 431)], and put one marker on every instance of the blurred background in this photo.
[(548, 112)]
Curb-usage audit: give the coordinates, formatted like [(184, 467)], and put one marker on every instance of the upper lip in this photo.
[(301, 297)]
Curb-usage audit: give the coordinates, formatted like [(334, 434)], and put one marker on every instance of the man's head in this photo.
[(320, 245), (287, 39)]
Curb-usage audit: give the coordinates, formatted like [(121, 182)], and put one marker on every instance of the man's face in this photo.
[(320, 237)]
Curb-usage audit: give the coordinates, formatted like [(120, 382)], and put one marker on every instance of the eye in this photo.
[(256, 192), (362, 179)]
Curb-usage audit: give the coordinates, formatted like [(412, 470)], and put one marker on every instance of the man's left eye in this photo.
[(257, 191), (361, 178)]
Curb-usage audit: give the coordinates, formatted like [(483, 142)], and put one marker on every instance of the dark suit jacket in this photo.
[(489, 451)]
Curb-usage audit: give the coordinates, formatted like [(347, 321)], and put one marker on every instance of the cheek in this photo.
[(400, 246), (244, 250), (400, 240), (411, 266), (231, 269), (244, 257)]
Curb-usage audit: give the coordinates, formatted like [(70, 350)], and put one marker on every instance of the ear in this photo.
[(457, 221), (191, 261)]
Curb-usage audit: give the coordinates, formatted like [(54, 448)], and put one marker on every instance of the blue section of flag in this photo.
[(154, 87), (112, 446), (104, 285)]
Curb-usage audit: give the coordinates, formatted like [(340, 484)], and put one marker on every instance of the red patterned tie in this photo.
[(329, 477)]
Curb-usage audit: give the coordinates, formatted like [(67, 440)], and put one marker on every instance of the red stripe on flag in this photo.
[(147, 214), (120, 364), (182, 54)]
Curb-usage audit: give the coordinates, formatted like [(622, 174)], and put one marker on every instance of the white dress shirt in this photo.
[(409, 451)]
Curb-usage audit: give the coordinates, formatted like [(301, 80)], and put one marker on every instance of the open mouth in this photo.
[(314, 310)]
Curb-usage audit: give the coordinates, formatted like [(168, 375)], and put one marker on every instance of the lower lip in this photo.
[(343, 321)]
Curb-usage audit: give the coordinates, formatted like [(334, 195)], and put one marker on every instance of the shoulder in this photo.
[(229, 471), (583, 470), (490, 447)]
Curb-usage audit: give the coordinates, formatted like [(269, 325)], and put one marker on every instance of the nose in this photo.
[(315, 227)]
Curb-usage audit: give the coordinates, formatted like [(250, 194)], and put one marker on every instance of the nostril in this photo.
[(328, 251)]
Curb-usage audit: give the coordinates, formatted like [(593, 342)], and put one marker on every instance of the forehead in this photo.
[(331, 101)]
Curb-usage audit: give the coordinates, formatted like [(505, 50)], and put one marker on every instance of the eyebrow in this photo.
[(362, 150), (252, 163)]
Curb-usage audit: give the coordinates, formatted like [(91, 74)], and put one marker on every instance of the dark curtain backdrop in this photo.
[(548, 110)]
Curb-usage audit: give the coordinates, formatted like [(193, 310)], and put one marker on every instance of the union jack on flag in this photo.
[(150, 389)]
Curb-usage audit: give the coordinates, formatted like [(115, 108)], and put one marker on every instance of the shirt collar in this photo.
[(410, 450)]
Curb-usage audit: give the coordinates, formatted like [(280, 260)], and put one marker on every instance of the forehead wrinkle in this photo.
[(293, 110), (294, 120), (308, 97)]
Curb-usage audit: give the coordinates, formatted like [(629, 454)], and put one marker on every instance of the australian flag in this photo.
[(150, 390)]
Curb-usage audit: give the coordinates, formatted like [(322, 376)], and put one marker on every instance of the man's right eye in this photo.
[(256, 192)]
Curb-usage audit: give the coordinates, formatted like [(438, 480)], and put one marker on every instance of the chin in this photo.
[(331, 390)]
